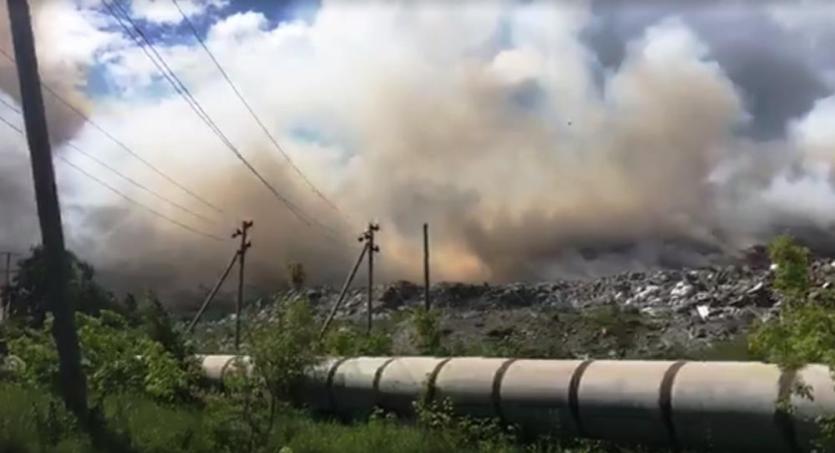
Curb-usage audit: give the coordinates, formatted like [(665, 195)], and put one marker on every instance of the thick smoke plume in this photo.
[(536, 143)]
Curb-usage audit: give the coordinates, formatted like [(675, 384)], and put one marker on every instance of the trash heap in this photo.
[(632, 314)]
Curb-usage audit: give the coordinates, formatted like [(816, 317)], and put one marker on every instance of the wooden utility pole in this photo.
[(426, 301), (368, 237), (245, 245), (72, 381), (5, 295), (343, 292), (213, 292)]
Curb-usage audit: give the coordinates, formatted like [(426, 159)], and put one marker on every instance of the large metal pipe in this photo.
[(721, 406)]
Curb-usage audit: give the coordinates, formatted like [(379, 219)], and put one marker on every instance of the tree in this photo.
[(804, 330), (159, 327), (28, 289)]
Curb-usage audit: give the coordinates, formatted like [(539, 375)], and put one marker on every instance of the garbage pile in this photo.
[(671, 309)]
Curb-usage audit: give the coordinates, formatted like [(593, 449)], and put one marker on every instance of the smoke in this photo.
[(533, 145), (66, 41)]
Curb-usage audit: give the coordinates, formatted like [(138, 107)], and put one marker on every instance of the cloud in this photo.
[(164, 12)]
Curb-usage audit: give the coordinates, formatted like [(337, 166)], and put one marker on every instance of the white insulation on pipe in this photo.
[(719, 406)]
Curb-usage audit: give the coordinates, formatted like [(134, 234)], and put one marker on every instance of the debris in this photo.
[(703, 311)]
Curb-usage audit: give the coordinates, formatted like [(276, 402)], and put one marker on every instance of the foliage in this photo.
[(427, 331), (488, 434), (33, 421), (298, 275), (281, 351), (115, 357), (804, 330), (800, 335), (27, 291), (157, 325), (348, 341), (791, 278), (285, 348)]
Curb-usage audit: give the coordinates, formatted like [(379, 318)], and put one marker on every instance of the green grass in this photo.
[(34, 421)]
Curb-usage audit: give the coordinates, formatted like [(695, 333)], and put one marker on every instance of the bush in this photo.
[(116, 358), (31, 420), (347, 341), (157, 325), (427, 325), (281, 351), (804, 330), (791, 278)]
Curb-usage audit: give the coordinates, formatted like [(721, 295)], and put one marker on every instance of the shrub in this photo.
[(115, 357), (804, 330), (427, 325), (487, 434), (791, 278), (281, 350), (31, 420), (157, 325), (347, 341)]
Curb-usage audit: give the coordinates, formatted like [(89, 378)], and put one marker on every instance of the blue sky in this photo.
[(276, 12)]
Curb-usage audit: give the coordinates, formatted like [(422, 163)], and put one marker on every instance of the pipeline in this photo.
[(718, 406)]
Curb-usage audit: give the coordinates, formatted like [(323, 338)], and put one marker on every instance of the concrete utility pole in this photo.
[(72, 381), (368, 236), (245, 245), (426, 301), (213, 292)]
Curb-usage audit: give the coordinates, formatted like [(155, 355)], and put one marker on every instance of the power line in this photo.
[(147, 208), (250, 109), (121, 194), (9, 123), (140, 185), (10, 106), (145, 43), (118, 142), (126, 178)]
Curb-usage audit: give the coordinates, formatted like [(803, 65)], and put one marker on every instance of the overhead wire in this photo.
[(137, 203), (118, 142), (249, 108), (139, 185), (142, 40), (121, 175), (120, 193)]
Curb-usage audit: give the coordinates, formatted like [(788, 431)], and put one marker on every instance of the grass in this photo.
[(33, 421)]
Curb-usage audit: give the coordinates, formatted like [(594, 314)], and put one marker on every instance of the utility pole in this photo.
[(72, 380), (5, 295), (426, 301), (343, 292), (213, 292), (245, 245), (368, 237)]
